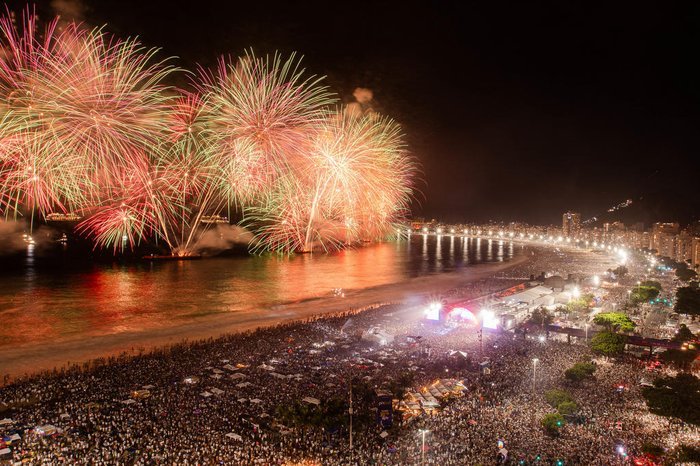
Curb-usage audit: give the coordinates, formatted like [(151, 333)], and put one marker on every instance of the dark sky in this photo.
[(516, 110)]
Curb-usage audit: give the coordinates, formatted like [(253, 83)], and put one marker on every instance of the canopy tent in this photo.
[(140, 394), (47, 429), (233, 436), (312, 401), (378, 336)]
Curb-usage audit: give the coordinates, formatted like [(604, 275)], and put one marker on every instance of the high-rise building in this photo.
[(695, 256), (571, 223), (694, 228), (639, 226), (684, 246), (663, 239)]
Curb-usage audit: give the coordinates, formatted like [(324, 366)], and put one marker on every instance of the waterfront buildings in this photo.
[(571, 223), (665, 239)]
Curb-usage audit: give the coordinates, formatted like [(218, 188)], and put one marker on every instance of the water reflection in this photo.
[(38, 306)]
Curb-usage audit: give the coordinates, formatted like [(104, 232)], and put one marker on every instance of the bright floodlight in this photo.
[(576, 292), (425, 229), (623, 255), (488, 319), (439, 230), (432, 312), (541, 338)]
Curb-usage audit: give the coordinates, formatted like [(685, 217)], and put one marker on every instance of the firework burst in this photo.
[(259, 114), (87, 125), (354, 187)]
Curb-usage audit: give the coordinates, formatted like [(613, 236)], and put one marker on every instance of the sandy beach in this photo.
[(31, 358)]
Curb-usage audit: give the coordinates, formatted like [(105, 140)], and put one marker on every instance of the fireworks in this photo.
[(354, 186), (89, 125)]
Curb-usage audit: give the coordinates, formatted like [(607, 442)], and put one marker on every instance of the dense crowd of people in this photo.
[(223, 401)]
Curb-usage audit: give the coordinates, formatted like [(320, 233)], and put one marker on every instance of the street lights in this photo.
[(422, 448), (586, 327), (534, 372), (350, 413)]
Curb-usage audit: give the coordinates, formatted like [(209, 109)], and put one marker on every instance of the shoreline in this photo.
[(36, 358)]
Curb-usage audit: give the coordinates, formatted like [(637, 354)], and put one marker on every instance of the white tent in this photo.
[(312, 401), (255, 400), (243, 385), (237, 376), (6, 421), (266, 367), (216, 391), (205, 394), (377, 335), (130, 401), (47, 429), (233, 436)]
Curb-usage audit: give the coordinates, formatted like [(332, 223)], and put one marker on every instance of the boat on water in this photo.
[(171, 257)]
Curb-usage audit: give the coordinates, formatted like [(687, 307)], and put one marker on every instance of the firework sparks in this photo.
[(88, 125)]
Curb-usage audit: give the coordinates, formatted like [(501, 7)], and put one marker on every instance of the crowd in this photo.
[(220, 401)]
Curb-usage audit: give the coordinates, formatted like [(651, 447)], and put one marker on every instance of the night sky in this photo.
[(516, 110)]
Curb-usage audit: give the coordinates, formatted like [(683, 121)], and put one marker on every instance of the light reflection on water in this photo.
[(40, 306)]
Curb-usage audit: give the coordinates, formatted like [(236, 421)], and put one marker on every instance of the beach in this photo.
[(33, 357)]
